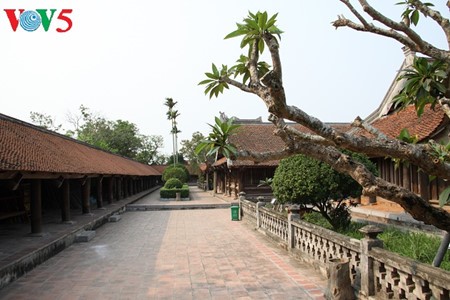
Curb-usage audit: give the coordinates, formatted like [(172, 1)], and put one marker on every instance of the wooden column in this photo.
[(406, 177), (36, 207), (100, 192), (119, 188), (65, 201), (86, 193), (424, 186), (110, 186), (125, 188)]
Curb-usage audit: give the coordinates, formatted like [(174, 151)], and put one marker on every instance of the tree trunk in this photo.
[(339, 284), (442, 250)]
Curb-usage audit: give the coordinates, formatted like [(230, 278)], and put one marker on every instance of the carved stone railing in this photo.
[(374, 272), (317, 245), (273, 223), (248, 209), (398, 277)]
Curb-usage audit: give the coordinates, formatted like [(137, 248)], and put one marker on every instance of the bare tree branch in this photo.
[(358, 122), (253, 64), (238, 84), (371, 184), (344, 22), (445, 105), (444, 23), (273, 46), (410, 38), (417, 154), (355, 12)]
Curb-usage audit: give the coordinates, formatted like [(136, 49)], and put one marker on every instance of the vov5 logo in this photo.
[(30, 20)]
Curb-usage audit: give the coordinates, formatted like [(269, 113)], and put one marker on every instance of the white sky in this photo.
[(122, 59)]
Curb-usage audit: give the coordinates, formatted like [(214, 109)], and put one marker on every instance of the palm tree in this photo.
[(217, 142), (172, 115)]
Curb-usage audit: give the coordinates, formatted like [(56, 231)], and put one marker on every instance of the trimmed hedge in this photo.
[(173, 183), (175, 172), (171, 193)]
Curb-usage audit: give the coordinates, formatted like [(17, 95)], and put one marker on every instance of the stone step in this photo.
[(84, 236)]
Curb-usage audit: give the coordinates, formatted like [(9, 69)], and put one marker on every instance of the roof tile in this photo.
[(25, 147)]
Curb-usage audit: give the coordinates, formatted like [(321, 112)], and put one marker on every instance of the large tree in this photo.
[(259, 32), (188, 150), (120, 137)]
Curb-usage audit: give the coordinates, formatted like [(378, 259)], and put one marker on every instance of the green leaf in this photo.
[(262, 20), (212, 76), (215, 71), (236, 33), (444, 197), (404, 135), (272, 21), (209, 87), (205, 81), (415, 17), (252, 24), (261, 46)]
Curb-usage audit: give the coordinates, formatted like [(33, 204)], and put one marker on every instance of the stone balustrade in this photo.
[(375, 273)]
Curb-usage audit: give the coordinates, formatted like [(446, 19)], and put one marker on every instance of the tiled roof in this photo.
[(159, 168), (260, 138), (28, 148), (424, 127)]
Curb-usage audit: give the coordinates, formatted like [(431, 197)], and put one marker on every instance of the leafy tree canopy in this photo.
[(303, 180), (119, 137)]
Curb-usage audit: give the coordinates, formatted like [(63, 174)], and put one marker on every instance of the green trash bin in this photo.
[(234, 213)]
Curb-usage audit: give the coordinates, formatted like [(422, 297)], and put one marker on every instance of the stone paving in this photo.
[(171, 254)]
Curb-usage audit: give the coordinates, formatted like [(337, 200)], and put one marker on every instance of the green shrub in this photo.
[(317, 219), (175, 172), (303, 180), (172, 193), (173, 183), (186, 171)]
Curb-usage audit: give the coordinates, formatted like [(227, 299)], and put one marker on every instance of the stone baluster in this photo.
[(369, 241)]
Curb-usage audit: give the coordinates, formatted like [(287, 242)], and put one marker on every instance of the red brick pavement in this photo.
[(179, 254)]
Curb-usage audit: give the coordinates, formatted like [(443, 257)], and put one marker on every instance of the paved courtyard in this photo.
[(171, 254)]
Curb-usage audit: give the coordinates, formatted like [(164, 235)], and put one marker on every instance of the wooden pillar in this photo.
[(120, 188), (241, 181), (406, 177), (65, 201), (424, 186), (86, 193), (100, 192), (36, 207), (110, 190), (125, 188)]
